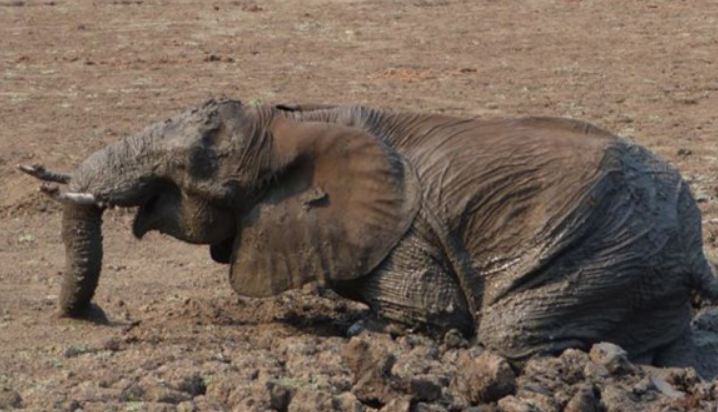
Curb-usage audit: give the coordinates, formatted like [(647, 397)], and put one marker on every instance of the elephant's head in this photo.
[(285, 201)]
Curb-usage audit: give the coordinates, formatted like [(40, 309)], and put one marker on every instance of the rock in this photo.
[(487, 407), (156, 407), (616, 399), (203, 403), (666, 388), (453, 339), (513, 404), (612, 357), (254, 397), (77, 350), (163, 394), (220, 389), (428, 407), (540, 400), (192, 384), (397, 405), (347, 402), (112, 344), (356, 328), (425, 388), (132, 393), (596, 372), (573, 362), (371, 366), (307, 400), (187, 406), (484, 379), (9, 399), (279, 396), (683, 152), (584, 400), (89, 391)]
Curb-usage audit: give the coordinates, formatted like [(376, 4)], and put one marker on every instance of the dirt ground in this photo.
[(76, 75)]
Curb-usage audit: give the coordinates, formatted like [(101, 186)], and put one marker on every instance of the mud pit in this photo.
[(78, 75)]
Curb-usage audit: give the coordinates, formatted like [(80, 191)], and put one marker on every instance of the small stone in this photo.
[(642, 386), (513, 404), (425, 388), (113, 344), (683, 152), (397, 405), (615, 398), (666, 388), (72, 405), (484, 379), (193, 384), (347, 402), (610, 356), (9, 399), (595, 371), (453, 339), (166, 395), (132, 393), (306, 400), (371, 366), (90, 391), (356, 328), (428, 407), (584, 400), (75, 350), (187, 406), (279, 396)]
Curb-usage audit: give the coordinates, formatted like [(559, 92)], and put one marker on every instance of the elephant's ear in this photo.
[(340, 204)]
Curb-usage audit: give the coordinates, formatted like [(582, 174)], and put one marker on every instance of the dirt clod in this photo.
[(610, 356), (584, 400), (484, 379), (425, 388), (398, 404), (9, 399), (371, 366)]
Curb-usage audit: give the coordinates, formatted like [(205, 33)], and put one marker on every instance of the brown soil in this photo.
[(77, 75)]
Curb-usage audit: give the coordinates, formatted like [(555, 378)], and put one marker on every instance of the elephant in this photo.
[(531, 235)]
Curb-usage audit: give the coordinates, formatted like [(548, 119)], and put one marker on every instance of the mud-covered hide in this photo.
[(560, 234)]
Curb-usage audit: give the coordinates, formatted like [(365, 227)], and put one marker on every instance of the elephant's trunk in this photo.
[(82, 235), (116, 175)]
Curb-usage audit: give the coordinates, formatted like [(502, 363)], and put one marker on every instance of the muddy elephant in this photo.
[(531, 234)]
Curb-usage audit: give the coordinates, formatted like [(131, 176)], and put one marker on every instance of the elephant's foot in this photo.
[(696, 349), (93, 313)]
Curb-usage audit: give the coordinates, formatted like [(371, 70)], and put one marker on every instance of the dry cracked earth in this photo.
[(76, 75)]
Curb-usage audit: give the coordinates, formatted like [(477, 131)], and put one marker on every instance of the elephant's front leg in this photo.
[(412, 286)]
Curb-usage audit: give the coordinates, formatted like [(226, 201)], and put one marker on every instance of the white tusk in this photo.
[(71, 197), (39, 172)]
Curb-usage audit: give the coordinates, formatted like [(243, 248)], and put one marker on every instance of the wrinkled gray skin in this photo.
[(532, 234)]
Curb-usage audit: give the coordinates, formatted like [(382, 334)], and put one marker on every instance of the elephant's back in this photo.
[(572, 234), (505, 186)]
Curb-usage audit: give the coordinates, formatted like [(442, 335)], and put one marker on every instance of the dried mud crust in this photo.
[(292, 353), (77, 75)]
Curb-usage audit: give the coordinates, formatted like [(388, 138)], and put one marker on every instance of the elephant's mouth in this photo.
[(222, 252), (145, 217)]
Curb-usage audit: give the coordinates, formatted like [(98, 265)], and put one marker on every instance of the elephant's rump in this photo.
[(622, 270)]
